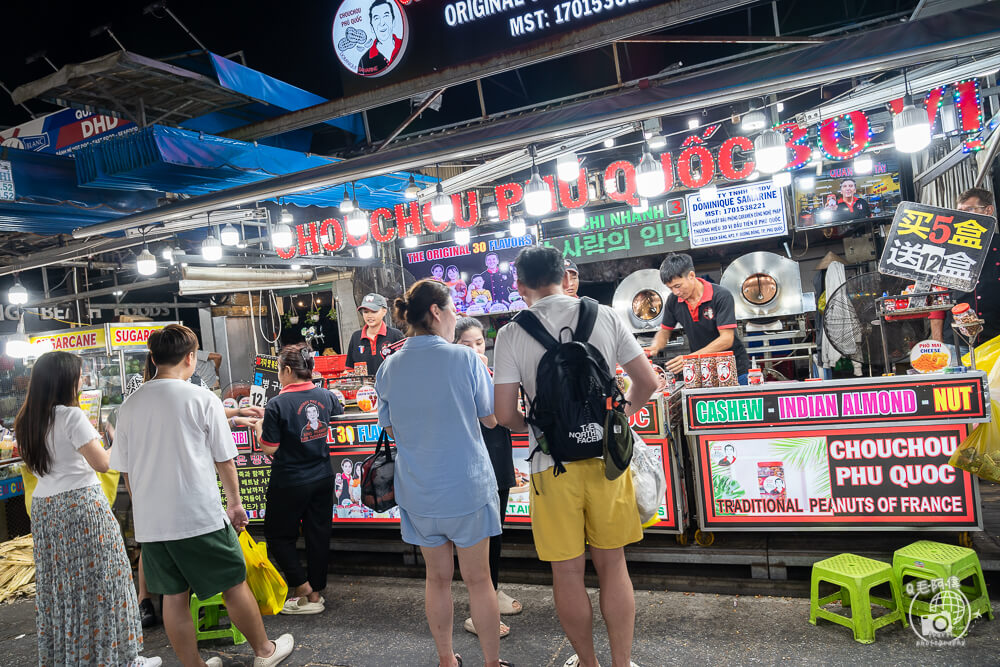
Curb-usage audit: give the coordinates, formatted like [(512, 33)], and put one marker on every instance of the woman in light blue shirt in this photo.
[(444, 481)]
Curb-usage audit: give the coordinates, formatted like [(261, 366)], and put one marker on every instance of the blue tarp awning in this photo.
[(47, 199)]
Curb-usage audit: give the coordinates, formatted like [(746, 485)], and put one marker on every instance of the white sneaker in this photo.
[(140, 661), (214, 662), (303, 606), (283, 646)]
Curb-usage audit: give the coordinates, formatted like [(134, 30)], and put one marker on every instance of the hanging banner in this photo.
[(614, 217), (938, 245), (838, 479), (883, 400), (652, 238), (749, 212)]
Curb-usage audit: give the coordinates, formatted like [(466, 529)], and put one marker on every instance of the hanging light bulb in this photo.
[(518, 227), (657, 142), (753, 120), (211, 249), (770, 152), (910, 128), (167, 253), (864, 164), (462, 236), (286, 217), (412, 189), (357, 223), (493, 213), (649, 180), (537, 198), (410, 241), (782, 179), (295, 267), (567, 167), (641, 207), (692, 123), (441, 208), (17, 295), (281, 236), (709, 193), (366, 251), (346, 206), (806, 183), (229, 235), (577, 218), (145, 263), (609, 142), (18, 346)]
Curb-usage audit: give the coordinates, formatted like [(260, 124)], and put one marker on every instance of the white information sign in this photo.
[(752, 211), (6, 181)]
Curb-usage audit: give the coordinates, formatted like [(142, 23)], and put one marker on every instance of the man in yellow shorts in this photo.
[(579, 506)]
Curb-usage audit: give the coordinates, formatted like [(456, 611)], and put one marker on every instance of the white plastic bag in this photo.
[(648, 478)]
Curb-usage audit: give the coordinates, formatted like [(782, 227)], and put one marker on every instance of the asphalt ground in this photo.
[(379, 622)]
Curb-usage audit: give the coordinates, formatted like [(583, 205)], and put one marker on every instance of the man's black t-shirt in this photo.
[(857, 210), (715, 311), (372, 351), (297, 421)]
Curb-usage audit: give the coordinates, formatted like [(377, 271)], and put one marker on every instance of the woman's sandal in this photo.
[(508, 605), (504, 663), (458, 659), (470, 627)]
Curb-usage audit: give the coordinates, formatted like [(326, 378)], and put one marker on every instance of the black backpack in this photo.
[(574, 391)]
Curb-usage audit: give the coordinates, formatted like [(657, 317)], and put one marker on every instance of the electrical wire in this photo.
[(272, 304)]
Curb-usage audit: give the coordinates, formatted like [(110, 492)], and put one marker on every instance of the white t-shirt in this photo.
[(170, 435), (70, 430), (517, 354)]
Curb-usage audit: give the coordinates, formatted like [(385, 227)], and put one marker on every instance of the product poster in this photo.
[(835, 479)]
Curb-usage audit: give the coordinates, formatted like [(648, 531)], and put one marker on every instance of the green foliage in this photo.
[(810, 455), (726, 488)]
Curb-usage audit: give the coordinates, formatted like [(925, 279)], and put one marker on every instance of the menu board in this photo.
[(925, 399), (747, 212), (835, 479), (937, 245), (265, 380)]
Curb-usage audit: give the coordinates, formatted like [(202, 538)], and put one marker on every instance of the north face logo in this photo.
[(592, 432)]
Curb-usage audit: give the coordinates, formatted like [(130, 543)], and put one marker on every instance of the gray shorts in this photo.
[(464, 531)]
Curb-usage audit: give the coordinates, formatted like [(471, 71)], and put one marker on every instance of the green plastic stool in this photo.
[(206, 613), (940, 563), (856, 576)]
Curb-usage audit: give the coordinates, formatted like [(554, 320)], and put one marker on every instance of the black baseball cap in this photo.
[(373, 302), (570, 265)]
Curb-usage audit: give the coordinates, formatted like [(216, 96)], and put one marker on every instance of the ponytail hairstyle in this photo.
[(414, 307), (298, 358), (54, 381)]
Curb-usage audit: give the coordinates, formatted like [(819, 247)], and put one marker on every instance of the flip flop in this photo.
[(470, 627), (508, 605)]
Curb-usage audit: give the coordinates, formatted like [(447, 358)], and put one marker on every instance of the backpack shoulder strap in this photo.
[(528, 321), (585, 323)]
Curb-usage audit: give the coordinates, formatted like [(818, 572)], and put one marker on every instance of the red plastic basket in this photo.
[(331, 364)]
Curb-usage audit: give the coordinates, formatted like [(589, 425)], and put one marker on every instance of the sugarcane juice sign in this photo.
[(127, 336), (71, 341), (838, 478), (934, 399), (942, 246)]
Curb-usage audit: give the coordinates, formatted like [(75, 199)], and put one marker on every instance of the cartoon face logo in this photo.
[(709, 313), (370, 36)]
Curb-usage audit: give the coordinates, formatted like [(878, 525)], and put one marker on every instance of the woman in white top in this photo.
[(86, 611)]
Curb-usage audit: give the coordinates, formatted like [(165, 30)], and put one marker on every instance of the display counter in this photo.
[(352, 438), (855, 454)]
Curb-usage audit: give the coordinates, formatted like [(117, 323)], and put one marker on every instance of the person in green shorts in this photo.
[(172, 439)]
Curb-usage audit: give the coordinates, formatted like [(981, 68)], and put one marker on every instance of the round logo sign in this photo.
[(929, 356), (370, 36), (367, 398), (230, 403)]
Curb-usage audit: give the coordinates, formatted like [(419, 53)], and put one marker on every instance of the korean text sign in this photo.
[(836, 478), (649, 238), (937, 245), (752, 211)]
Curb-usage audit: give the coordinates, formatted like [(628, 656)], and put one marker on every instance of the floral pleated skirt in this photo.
[(85, 605)]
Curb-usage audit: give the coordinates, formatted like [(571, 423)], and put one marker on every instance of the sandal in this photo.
[(469, 627), (458, 659), (504, 663), (508, 605)]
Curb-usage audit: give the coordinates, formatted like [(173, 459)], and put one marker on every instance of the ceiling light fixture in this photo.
[(657, 142), (709, 193), (493, 213), (286, 217), (357, 223), (568, 167), (864, 164), (782, 179), (229, 235), (911, 129), (641, 207), (754, 120), (346, 206), (577, 218), (537, 198), (441, 207), (518, 227), (649, 180), (17, 295), (145, 263), (770, 152), (609, 142), (693, 123), (211, 249), (281, 236), (18, 346), (806, 183), (366, 251), (462, 236), (412, 189), (410, 241)]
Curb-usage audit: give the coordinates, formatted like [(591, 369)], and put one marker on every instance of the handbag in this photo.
[(267, 586), (377, 474), (649, 480)]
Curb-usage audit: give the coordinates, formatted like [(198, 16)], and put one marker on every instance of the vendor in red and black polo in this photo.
[(706, 312), (371, 344)]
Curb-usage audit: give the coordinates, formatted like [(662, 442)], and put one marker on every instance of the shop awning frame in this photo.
[(934, 38)]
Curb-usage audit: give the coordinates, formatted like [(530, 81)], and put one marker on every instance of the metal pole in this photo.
[(413, 116)]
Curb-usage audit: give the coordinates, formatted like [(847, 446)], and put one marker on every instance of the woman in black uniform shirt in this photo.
[(469, 332), (293, 432)]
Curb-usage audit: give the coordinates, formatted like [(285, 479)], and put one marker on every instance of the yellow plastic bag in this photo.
[(109, 485), (262, 577), (980, 452), (987, 354)]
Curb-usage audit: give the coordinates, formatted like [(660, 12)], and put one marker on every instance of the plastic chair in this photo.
[(206, 614), (944, 565), (856, 576)]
